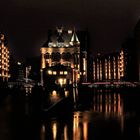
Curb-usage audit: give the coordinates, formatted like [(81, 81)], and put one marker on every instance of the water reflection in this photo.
[(108, 103), (65, 132), (54, 129), (42, 133), (80, 125), (111, 104), (105, 117), (106, 114)]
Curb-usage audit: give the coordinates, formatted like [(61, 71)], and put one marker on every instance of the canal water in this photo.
[(97, 114)]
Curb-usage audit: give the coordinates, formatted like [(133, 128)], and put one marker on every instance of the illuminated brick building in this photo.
[(4, 59), (117, 66), (137, 41), (62, 59), (128, 56), (106, 67)]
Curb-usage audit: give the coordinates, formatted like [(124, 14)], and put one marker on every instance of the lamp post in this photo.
[(41, 77)]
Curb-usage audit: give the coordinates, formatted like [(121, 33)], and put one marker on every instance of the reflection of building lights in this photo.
[(85, 130), (65, 133), (76, 129), (54, 129), (43, 132)]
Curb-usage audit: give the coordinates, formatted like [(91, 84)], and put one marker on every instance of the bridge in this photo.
[(116, 84)]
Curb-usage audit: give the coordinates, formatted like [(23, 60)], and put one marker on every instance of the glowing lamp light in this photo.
[(61, 81), (69, 31), (65, 72), (18, 63), (49, 72), (66, 93), (54, 93), (61, 72), (54, 73)]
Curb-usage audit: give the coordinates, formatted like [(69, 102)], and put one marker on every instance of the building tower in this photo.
[(61, 57), (137, 41), (75, 44), (4, 59), (83, 74)]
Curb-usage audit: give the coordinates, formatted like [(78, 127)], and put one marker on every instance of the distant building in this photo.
[(84, 39), (62, 50), (129, 70), (106, 67), (117, 66), (4, 59), (17, 70), (137, 41), (33, 64)]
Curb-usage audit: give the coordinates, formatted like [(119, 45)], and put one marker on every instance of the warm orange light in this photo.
[(54, 129), (66, 93), (61, 72), (49, 72), (54, 93), (85, 130), (65, 133), (54, 73), (61, 81), (65, 72)]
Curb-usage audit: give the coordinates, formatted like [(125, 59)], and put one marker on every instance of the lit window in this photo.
[(54, 72), (18, 63), (61, 72), (65, 72), (69, 31), (49, 72), (64, 81)]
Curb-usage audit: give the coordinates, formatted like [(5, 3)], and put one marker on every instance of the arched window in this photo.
[(63, 55), (56, 56), (68, 56), (47, 55)]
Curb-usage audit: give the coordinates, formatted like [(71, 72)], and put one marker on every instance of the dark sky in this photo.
[(26, 22)]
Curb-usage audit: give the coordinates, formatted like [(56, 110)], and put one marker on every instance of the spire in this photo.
[(1, 37), (59, 34), (74, 39), (49, 40)]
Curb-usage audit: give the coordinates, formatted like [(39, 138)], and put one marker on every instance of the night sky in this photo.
[(26, 22)]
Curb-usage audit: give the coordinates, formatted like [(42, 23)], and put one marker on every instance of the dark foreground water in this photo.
[(101, 114)]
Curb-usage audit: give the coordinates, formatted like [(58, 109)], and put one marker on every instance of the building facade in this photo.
[(106, 68), (4, 59), (62, 58), (119, 66), (137, 41)]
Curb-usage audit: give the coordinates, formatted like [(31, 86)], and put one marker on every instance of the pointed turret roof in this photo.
[(74, 39)]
